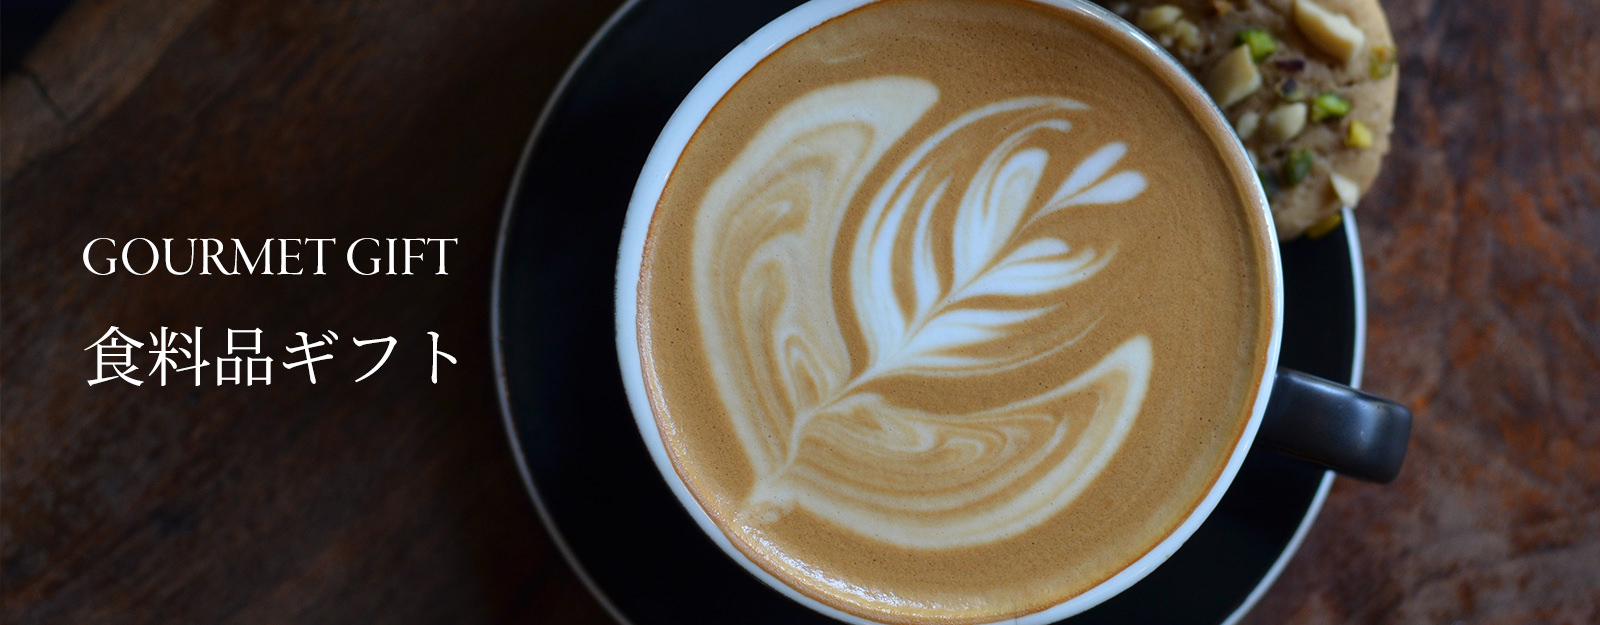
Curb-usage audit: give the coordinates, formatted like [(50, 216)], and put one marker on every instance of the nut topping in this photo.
[(1284, 123), (1346, 189), (1233, 77), (1247, 124), (1360, 136), (1331, 32)]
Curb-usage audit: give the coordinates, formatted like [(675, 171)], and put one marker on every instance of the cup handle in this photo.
[(1354, 433)]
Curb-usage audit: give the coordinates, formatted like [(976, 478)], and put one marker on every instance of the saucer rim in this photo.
[(496, 283), (1358, 288)]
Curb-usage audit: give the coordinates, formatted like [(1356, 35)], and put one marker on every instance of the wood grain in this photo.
[(388, 501), (397, 501), (1482, 245)]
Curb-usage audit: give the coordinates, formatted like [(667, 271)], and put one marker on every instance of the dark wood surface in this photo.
[(397, 501)]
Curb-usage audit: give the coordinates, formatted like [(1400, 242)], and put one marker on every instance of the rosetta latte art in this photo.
[(927, 304)]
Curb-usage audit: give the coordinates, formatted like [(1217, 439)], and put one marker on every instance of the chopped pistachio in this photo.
[(1329, 106), (1345, 189), (1221, 7), (1158, 18), (1292, 91), (1246, 126), (1284, 123), (1261, 43), (1380, 63), (1297, 167), (1233, 77), (1360, 136), (1325, 225), (1187, 35), (1330, 32)]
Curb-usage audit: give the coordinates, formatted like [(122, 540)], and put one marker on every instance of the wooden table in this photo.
[(395, 500)]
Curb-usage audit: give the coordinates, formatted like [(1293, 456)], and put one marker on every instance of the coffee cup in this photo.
[(961, 311)]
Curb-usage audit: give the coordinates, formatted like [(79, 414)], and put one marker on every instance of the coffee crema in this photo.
[(950, 310)]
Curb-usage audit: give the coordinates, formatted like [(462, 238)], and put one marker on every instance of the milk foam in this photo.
[(946, 267), (948, 311)]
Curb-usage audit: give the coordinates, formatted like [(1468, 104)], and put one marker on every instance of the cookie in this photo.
[(1309, 85)]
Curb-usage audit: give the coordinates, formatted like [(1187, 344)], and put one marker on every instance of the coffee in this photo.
[(951, 310)]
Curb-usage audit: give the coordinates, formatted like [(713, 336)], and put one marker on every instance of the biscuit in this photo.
[(1311, 59)]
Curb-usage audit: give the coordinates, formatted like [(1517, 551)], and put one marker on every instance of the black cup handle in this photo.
[(1357, 434)]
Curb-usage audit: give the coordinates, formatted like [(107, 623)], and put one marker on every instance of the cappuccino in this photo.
[(951, 310)]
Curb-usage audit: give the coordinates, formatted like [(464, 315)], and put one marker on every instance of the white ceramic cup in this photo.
[(663, 159)]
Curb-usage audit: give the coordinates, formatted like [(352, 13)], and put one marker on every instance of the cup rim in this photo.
[(663, 159)]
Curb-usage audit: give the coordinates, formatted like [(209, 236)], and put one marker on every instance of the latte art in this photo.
[(948, 311), (816, 431)]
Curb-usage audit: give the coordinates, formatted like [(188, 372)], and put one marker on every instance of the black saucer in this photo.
[(575, 439)]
